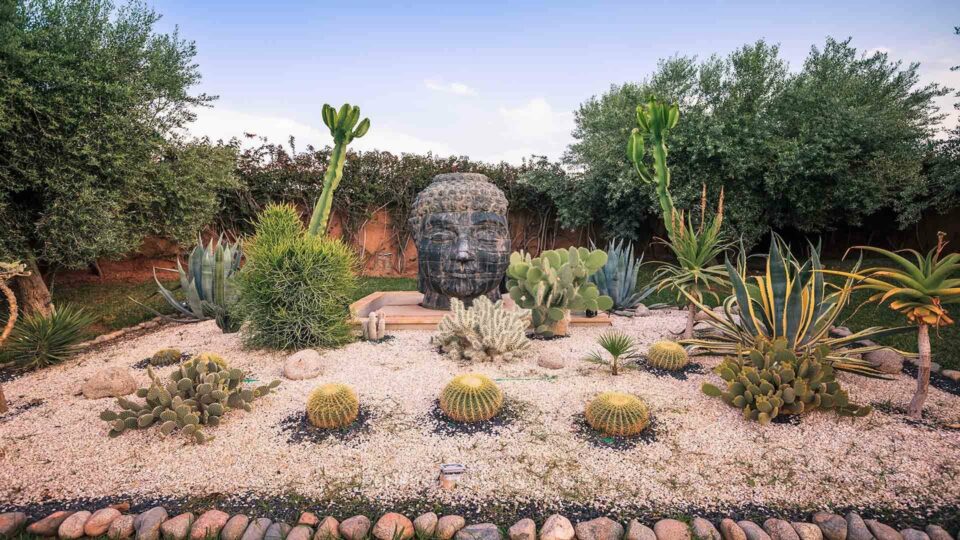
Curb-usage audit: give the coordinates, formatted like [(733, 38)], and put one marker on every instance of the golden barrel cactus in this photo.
[(668, 355), (618, 414), (165, 357), (471, 397), (332, 406), (212, 357)]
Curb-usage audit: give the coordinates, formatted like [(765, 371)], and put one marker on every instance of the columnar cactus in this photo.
[(471, 397), (554, 283), (332, 406), (772, 380), (484, 331), (165, 357), (668, 355), (375, 327), (618, 414), (198, 394)]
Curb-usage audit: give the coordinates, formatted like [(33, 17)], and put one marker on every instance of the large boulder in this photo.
[(885, 360), (303, 364), (393, 526), (113, 381)]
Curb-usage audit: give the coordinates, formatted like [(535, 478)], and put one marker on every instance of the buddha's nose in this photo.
[(464, 252)]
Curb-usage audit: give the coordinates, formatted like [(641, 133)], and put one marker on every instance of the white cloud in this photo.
[(457, 88), (870, 52), (538, 126)]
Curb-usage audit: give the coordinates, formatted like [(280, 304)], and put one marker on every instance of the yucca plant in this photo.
[(618, 345), (919, 290), (618, 277), (790, 301), (43, 340)]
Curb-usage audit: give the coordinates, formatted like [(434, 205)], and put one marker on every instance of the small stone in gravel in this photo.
[(48, 526), (99, 523), (936, 532), (480, 531), (914, 534), (551, 363), (426, 525), (122, 528), (11, 523), (807, 531), (447, 526), (642, 311), (601, 528), (752, 530), (779, 529), (954, 376), (934, 368), (355, 528), (113, 381), (72, 527), (256, 530), (300, 532), (881, 531), (832, 526), (277, 531), (234, 528), (525, 529), (393, 526), (328, 529), (840, 331), (731, 531), (856, 528), (148, 523), (301, 365), (309, 519), (557, 527), (121, 507), (639, 531), (671, 529), (208, 525), (885, 360), (177, 527), (704, 530)]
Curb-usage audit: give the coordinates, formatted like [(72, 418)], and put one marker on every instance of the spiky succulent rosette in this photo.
[(618, 414), (471, 397), (332, 406)]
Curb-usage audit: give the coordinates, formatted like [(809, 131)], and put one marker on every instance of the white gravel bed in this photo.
[(704, 454)]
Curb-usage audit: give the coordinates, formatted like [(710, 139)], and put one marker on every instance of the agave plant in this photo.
[(791, 301), (618, 345), (920, 291), (208, 284), (40, 340), (618, 277)]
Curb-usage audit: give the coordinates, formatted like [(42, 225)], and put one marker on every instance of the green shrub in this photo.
[(295, 289), (39, 341)]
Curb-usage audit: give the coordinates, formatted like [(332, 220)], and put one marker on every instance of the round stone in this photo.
[(113, 381), (393, 526), (305, 364)]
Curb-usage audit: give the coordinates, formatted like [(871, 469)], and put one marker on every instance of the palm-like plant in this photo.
[(919, 290), (791, 301), (43, 340), (618, 345)]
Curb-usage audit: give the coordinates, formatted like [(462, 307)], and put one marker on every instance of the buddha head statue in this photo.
[(459, 224)]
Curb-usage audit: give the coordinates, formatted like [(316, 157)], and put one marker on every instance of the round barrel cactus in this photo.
[(212, 357), (471, 397), (166, 357), (618, 414), (667, 355), (332, 406)]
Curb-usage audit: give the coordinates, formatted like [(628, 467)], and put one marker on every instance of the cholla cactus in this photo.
[(375, 327), (484, 331), (618, 414)]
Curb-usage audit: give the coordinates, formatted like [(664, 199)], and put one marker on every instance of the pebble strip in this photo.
[(156, 523)]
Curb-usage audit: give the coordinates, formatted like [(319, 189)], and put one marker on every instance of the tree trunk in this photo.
[(691, 320), (34, 294), (923, 373), (11, 320), (3, 401)]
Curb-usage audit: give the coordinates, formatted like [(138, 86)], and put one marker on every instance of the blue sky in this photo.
[(498, 80)]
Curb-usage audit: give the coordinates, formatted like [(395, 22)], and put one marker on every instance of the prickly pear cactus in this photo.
[(471, 397), (668, 355), (485, 331), (332, 406), (554, 283), (771, 380), (198, 394), (618, 414), (166, 357)]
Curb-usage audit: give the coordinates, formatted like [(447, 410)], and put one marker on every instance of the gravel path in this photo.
[(703, 453)]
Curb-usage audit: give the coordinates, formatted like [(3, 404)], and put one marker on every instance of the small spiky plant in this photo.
[(618, 344), (165, 357), (618, 414), (667, 355), (471, 397), (212, 357), (332, 406)]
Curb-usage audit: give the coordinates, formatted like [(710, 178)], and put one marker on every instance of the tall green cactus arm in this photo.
[(654, 122), (341, 124)]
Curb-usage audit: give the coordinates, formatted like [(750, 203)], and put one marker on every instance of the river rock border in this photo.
[(114, 522)]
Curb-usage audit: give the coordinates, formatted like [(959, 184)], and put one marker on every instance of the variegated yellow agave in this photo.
[(789, 301)]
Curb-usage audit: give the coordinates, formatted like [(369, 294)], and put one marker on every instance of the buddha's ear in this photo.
[(414, 224)]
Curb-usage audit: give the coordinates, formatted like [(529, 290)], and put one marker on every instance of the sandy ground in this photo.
[(702, 454)]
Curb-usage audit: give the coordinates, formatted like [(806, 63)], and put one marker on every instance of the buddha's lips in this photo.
[(465, 275)]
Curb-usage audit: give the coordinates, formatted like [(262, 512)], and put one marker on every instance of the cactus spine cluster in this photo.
[(471, 397), (375, 327), (206, 357), (166, 357), (484, 331), (344, 128), (198, 394), (554, 283), (668, 355), (772, 380), (332, 406), (618, 414)]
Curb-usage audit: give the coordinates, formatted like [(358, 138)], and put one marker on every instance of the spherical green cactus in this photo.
[(471, 397), (332, 406), (667, 355), (165, 357), (618, 414), (212, 357)]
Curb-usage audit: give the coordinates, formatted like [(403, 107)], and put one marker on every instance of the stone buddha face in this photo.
[(463, 243)]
